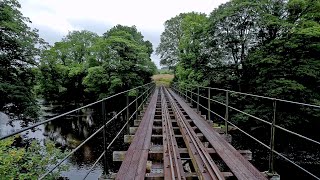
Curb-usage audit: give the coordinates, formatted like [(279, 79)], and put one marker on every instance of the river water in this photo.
[(69, 131)]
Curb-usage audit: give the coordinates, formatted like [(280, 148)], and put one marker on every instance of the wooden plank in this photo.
[(125, 165), (141, 168), (120, 155), (239, 166), (192, 174), (137, 155)]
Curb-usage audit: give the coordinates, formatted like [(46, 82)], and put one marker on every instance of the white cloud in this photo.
[(147, 15)]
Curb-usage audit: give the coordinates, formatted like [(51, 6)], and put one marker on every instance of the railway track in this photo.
[(205, 167), (178, 143), (172, 163)]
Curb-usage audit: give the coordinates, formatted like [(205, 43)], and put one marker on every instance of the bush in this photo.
[(28, 161)]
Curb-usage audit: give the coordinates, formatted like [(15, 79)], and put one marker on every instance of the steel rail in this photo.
[(170, 156), (207, 157), (210, 166), (175, 166), (266, 146), (86, 140), (167, 137), (66, 113)]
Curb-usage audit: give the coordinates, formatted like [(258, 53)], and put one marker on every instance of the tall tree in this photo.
[(20, 45), (64, 66), (126, 62), (168, 48), (288, 66), (193, 50)]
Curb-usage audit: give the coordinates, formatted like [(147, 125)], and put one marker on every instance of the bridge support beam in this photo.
[(272, 176)]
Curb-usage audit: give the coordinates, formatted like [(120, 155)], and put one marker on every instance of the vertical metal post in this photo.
[(191, 100), (209, 102), (104, 118), (144, 100), (187, 94), (271, 155), (145, 96), (127, 111), (227, 112), (137, 95), (198, 99)]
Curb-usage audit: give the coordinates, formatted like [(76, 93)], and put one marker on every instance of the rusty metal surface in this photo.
[(166, 117), (171, 156), (239, 166), (134, 164), (204, 165)]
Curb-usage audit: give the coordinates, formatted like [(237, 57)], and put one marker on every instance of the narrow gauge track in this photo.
[(172, 163), (157, 141), (204, 165)]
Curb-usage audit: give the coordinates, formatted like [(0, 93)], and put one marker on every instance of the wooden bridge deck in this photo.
[(178, 143)]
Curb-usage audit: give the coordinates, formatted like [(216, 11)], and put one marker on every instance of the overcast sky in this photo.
[(54, 18)]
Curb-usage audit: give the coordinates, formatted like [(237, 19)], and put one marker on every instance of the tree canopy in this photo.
[(19, 48), (266, 47), (83, 66), (87, 66)]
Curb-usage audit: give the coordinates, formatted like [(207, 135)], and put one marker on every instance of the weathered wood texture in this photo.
[(135, 162), (239, 166)]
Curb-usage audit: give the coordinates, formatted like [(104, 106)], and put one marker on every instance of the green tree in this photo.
[(20, 45), (193, 50), (266, 47), (168, 48), (126, 62), (184, 47), (288, 67), (28, 162), (64, 66), (85, 66)]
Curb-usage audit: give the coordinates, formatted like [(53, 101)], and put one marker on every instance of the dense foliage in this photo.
[(28, 161), (82, 66), (19, 47), (266, 47), (85, 66)]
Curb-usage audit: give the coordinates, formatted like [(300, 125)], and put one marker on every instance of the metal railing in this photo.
[(147, 90), (183, 91)]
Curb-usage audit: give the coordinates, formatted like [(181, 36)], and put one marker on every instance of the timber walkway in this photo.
[(189, 146), (171, 140)]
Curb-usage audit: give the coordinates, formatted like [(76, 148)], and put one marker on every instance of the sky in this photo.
[(55, 18)]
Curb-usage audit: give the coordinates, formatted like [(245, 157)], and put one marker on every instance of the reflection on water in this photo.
[(68, 132)]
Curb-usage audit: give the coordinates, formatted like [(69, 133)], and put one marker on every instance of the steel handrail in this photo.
[(113, 140), (66, 113), (258, 96), (92, 135), (257, 118), (260, 142)]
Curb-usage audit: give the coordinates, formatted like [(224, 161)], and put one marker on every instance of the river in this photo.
[(69, 131)]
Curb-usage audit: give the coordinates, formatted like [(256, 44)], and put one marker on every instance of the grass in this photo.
[(165, 71), (163, 79)]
